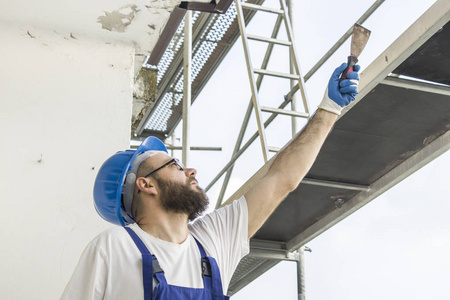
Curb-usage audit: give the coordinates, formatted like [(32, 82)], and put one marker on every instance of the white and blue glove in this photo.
[(339, 95)]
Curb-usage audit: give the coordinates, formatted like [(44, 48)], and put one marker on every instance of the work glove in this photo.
[(337, 96)]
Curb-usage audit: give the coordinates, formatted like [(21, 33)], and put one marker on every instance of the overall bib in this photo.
[(212, 283)]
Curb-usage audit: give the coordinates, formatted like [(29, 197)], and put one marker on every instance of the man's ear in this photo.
[(146, 185)]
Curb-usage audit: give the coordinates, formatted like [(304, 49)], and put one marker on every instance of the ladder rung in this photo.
[(285, 112), (276, 74), (268, 40), (273, 149), (262, 8)]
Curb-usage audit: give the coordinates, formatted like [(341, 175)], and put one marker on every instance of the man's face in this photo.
[(178, 189)]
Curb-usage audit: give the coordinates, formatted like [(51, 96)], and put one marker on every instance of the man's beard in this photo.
[(182, 198)]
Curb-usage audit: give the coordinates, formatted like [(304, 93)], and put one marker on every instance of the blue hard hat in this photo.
[(110, 179)]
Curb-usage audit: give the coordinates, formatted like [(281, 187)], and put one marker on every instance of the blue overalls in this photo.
[(212, 283)]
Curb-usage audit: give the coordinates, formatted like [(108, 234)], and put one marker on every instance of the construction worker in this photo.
[(159, 253)]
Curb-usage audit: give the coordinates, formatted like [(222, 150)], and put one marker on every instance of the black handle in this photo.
[(351, 61)]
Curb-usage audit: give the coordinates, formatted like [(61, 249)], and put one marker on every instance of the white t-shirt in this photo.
[(111, 265)]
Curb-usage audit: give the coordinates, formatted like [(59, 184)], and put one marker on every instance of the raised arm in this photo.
[(294, 161)]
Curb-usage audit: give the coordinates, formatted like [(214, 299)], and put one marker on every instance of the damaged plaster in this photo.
[(117, 20), (165, 4), (144, 94)]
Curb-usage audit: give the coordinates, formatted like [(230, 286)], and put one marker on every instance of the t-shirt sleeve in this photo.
[(89, 279), (224, 235)]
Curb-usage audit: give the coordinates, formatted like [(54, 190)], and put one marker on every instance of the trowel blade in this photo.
[(359, 39)]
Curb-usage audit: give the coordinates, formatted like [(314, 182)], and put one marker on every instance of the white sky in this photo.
[(395, 247)]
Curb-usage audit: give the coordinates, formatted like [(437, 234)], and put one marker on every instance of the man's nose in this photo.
[(190, 172)]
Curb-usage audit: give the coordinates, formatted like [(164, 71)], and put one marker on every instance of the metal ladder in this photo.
[(256, 83), (282, 16)]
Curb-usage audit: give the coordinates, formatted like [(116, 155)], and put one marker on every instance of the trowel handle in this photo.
[(351, 61)]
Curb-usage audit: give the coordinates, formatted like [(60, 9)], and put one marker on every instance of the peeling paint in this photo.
[(167, 4), (119, 19)]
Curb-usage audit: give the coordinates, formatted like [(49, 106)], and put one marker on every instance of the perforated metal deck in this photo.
[(213, 37)]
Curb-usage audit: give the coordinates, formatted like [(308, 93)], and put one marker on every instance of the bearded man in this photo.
[(159, 254)]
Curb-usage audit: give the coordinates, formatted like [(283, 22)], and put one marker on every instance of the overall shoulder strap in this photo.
[(211, 269), (141, 246), (150, 265), (206, 266), (200, 247)]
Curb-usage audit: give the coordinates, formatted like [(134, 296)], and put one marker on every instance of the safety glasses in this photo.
[(170, 162)]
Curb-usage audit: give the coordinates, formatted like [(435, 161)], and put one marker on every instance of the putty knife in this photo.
[(360, 37)]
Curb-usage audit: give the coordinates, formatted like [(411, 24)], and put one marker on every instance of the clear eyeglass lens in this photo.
[(179, 164)]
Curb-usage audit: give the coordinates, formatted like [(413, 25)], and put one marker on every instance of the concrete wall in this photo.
[(65, 107)]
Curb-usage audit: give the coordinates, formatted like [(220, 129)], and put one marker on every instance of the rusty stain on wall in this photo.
[(119, 19)]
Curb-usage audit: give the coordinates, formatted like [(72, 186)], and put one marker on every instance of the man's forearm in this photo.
[(295, 160), (287, 170)]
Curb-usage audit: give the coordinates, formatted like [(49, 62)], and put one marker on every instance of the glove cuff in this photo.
[(329, 105)]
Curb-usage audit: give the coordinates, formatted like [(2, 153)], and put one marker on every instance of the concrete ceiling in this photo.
[(136, 22)]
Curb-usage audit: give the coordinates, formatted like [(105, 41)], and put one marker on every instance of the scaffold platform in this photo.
[(399, 123)]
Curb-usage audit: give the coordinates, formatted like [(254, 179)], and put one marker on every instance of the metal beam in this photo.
[(267, 245), (296, 125), (276, 74), (301, 274), (187, 99), (421, 86), (285, 112), (166, 35), (271, 250), (268, 40), (277, 255), (336, 184), (408, 167), (247, 5)]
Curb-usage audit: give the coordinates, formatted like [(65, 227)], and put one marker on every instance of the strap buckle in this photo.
[(206, 268), (156, 267)]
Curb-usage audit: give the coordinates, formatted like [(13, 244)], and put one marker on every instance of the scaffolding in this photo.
[(332, 190)]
